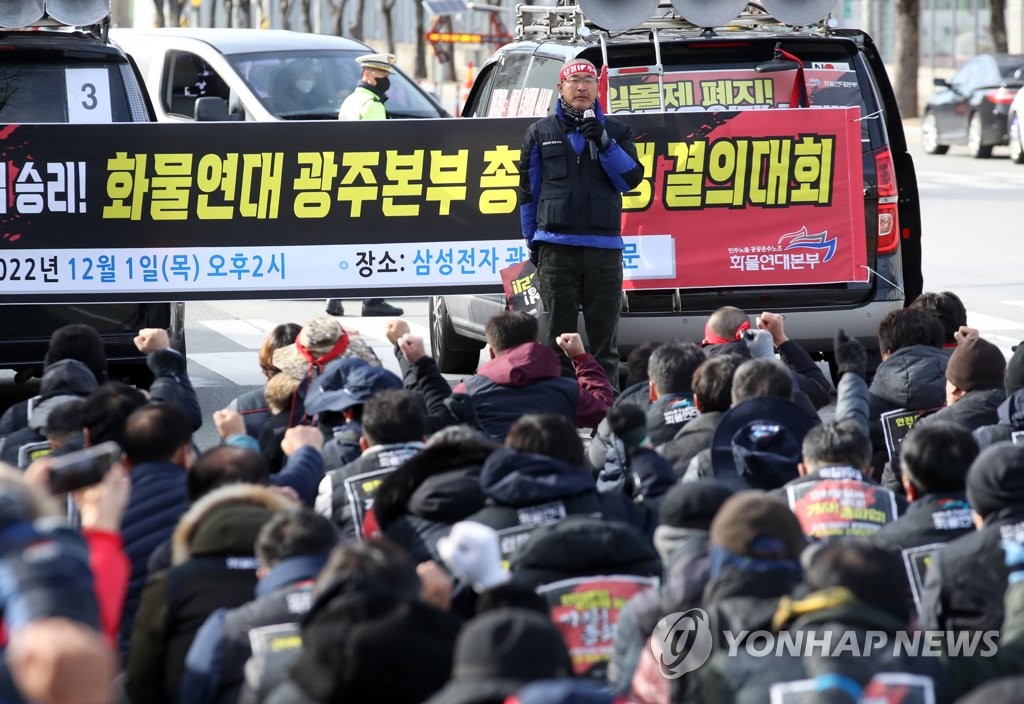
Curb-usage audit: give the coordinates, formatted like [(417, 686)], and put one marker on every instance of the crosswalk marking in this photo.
[(241, 367), (249, 333)]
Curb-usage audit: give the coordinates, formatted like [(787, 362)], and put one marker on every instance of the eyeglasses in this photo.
[(585, 80)]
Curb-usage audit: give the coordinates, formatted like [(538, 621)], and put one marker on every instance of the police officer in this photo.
[(366, 102)]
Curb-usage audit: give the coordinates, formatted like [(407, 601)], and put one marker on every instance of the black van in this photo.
[(644, 64), (63, 74)]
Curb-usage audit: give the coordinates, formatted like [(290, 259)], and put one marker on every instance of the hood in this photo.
[(67, 377), (1011, 411), (448, 497), (580, 546), (522, 365), (525, 479), (41, 411), (62, 381), (441, 472), (226, 521), (913, 378)]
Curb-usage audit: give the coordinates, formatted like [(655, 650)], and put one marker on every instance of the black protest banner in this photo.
[(232, 210)]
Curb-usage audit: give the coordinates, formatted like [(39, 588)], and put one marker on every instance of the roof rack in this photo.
[(569, 21)]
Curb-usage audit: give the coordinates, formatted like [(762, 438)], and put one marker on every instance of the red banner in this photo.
[(585, 610), (756, 198)]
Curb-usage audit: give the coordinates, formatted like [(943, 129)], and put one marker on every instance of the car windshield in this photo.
[(58, 92), (311, 85)]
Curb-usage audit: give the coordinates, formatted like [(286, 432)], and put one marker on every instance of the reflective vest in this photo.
[(362, 104)]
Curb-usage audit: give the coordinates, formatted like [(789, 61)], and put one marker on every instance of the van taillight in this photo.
[(888, 203), (1001, 96)]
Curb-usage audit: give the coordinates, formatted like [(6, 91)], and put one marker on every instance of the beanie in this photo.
[(81, 342), (1015, 370), (976, 364), (692, 504), (750, 519), (996, 478)]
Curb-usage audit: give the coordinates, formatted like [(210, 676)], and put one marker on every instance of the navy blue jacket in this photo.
[(158, 498)]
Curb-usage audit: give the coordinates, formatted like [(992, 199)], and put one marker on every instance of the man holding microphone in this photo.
[(574, 167)]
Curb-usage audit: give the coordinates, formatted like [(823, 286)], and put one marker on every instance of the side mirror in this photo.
[(212, 109), (941, 83)]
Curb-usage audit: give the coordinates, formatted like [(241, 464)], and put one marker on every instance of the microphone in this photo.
[(587, 114)]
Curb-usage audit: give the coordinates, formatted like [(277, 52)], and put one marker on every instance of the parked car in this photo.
[(1015, 128), (530, 66), (972, 107), (250, 74), (75, 75)]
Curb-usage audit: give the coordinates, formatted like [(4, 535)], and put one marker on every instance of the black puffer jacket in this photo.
[(964, 586), (913, 378), (973, 410), (524, 489), (418, 502), (690, 440), (1010, 419), (583, 546)]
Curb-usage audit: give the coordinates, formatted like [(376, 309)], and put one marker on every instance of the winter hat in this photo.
[(976, 364), (374, 646), (685, 515), (751, 522), (996, 478), (692, 504), (758, 443), (1015, 370), (321, 340), (361, 382), (81, 342), (499, 651)]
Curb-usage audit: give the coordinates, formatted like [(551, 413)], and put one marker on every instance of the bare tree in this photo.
[(229, 13), (386, 6), (174, 8), (306, 15), (355, 27), (338, 16), (420, 69), (997, 26), (286, 11), (908, 55), (243, 16), (159, 19)]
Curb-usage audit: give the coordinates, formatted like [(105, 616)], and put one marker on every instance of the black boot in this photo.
[(378, 307), (334, 307)]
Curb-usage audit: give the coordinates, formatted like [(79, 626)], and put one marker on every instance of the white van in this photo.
[(251, 74)]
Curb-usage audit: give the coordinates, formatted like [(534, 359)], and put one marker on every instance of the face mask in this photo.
[(304, 85), (383, 84)]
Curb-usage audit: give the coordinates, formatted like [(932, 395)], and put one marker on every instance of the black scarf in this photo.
[(572, 115), (374, 90)]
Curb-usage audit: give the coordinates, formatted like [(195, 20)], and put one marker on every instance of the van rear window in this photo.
[(742, 88), (87, 93)]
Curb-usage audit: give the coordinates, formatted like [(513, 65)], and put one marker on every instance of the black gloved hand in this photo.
[(850, 355), (593, 130), (535, 255)]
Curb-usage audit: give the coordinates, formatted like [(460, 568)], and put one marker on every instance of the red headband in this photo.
[(713, 338), (576, 67), (339, 348)]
